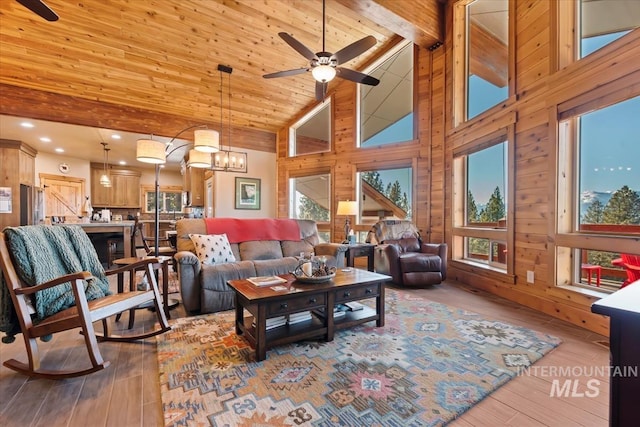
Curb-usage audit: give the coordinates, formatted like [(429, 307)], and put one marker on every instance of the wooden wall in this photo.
[(540, 86)]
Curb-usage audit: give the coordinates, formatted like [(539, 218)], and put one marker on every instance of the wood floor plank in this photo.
[(53, 412), (127, 398)]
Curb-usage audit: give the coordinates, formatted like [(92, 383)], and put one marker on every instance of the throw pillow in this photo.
[(212, 248)]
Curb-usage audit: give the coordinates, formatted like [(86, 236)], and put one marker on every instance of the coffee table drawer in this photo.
[(354, 293), (292, 305)]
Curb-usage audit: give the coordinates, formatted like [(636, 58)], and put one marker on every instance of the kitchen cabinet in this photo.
[(123, 193)]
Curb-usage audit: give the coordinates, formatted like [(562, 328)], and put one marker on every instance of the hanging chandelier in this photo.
[(228, 160)]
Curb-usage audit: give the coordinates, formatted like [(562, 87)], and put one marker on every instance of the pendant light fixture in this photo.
[(228, 160), (104, 179)]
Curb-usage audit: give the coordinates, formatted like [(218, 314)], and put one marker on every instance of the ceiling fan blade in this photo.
[(38, 7), (286, 73), (356, 76), (347, 53), (321, 90), (297, 46)]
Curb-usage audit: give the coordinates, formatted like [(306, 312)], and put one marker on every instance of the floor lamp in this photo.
[(206, 141)]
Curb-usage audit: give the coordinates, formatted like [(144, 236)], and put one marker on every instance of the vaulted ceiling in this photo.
[(151, 66)]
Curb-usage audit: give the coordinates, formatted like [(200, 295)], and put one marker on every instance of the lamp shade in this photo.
[(199, 159), (104, 180), (150, 151), (347, 208), (323, 73), (206, 140)]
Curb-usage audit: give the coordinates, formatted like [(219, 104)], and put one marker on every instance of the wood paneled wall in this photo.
[(539, 89)]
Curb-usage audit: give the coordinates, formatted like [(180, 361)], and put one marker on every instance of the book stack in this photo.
[(303, 316), (338, 311), (274, 322)]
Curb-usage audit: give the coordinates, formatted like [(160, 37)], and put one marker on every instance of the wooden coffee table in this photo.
[(293, 297)]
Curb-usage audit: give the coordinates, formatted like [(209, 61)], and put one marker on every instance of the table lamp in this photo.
[(347, 208)]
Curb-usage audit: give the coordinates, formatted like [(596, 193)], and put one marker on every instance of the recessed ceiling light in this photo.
[(59, 150), (115, 136), (45, 139), (122, 162), (27, 125)]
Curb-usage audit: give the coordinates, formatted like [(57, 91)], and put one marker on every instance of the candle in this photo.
[(307, 269)]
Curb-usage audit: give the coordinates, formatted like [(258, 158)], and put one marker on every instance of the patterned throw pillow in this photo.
[(212, 248)]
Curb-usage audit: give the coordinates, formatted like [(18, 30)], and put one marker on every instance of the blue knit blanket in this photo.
[(42, 253)]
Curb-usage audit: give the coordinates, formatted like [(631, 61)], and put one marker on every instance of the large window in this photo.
[(312, 133), (386, 110), (603, 21), (385, 193), (481, 204), (310, 198), (598, 193), (487, 55)]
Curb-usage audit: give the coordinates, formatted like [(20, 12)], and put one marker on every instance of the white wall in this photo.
[(48, 164), (261, 165)]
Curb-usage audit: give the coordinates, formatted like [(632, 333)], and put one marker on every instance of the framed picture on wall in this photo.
[(247, 193)]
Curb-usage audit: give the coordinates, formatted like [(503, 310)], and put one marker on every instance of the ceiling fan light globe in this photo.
[(323, 73)]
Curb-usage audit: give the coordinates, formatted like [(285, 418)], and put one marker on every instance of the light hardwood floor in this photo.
[(127, 393)]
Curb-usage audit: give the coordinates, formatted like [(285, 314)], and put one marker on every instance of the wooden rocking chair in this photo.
[(81, 315)]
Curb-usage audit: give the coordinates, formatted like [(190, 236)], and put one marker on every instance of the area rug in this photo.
[(427, 365)]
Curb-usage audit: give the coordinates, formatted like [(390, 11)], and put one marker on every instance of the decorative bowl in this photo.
[(314, 279)]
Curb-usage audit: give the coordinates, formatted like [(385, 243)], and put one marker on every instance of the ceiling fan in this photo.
[(325, 65), (38, 7)]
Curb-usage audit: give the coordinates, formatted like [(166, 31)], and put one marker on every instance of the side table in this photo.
[(164, 265), (360, 250)]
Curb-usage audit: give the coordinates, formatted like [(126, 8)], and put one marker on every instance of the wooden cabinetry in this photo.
[(193, 183), (18, 169), (123, 193)]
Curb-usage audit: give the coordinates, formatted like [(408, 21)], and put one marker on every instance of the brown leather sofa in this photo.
[(402, 255)]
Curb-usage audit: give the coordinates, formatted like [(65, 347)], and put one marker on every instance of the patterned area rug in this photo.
[(427, 365)]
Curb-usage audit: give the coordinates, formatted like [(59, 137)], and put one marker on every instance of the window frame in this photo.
[(567, 236), (161, 189), (460, 66), (305, 118), (567, 32), (461, 231), (323, 226), (381, 60)]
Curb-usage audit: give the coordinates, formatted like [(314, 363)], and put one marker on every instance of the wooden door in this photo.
[(63, 195)]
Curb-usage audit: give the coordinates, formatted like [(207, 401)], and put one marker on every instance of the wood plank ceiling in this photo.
[(151, 66)]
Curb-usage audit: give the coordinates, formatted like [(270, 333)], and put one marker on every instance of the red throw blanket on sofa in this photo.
[(244, 230)]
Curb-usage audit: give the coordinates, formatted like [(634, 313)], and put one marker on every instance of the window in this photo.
[(312, 133), (481, 203), (598, 192), (385, 194), (311, 199), (170, 200), (603, 21), (386, 110), (586, 26), (487, 55)]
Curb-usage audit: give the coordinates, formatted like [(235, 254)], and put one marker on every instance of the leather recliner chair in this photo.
[(404, 257)]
